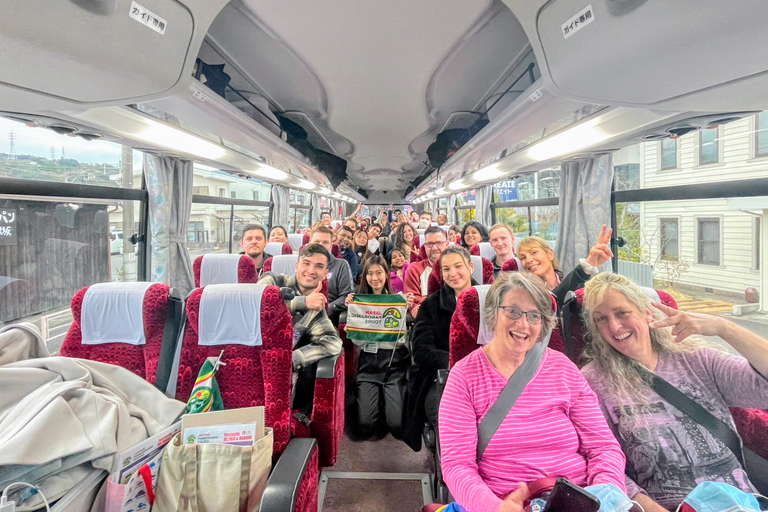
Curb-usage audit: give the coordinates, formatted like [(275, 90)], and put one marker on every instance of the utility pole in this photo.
[(12, 141), (129, 256), (53, 153)]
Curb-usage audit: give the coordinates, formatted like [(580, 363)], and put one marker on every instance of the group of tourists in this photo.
[(602, 425)]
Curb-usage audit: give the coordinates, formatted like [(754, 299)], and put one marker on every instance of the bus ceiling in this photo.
[(353, 96)]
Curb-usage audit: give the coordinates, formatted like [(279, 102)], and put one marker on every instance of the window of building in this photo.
[(708, 241), (233, 194), (669, 238), (668, 154), (196, 231), (200, 191), (761, 134), (756, 226), (709, 146), (222, 192)]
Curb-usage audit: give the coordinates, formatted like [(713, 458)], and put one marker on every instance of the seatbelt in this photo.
[(171, 330), (567, 314), (697, 413), (509, 395)]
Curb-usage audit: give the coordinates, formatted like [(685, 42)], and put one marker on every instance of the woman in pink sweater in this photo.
[(556, 427)]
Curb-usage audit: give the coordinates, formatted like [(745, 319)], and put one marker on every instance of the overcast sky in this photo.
[(38, 142)]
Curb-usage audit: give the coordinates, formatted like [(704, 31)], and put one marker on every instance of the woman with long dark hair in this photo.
[(380, 372)]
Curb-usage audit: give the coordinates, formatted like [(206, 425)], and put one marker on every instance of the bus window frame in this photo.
[(232, 202)]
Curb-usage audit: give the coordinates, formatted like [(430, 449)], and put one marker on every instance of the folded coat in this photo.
[(61, 417)]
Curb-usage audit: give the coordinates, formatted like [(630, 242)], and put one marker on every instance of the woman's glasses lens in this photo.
[(513, 313)]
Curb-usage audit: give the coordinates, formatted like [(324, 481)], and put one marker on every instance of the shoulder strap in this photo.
[(700, 415), (509, 395), (171, 330)]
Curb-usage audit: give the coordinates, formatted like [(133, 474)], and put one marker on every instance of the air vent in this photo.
[(62, 129), (679, 131), (724, 120), (21, 120), (89, 136), (656, 136)]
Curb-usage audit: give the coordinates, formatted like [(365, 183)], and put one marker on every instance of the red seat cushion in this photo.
[(140, 359), (510, 266), (465, 325), (253, 376)]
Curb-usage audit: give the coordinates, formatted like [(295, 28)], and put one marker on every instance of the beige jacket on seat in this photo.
[(61, 417)]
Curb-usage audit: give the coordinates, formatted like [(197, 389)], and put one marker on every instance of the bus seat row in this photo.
[(257, 352), (483, 274)]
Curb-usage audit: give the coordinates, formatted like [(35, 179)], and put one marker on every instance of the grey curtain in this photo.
[(315, 216), (585, 205), (169, 186), (483, 198), (281, 212), (452, 209)]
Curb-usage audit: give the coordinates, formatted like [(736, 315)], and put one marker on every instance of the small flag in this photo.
[(205, 395)]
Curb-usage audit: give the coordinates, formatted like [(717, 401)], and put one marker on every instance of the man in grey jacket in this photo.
[(339, 275)]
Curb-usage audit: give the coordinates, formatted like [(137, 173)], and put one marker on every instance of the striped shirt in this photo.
[(314, 336), (556, 428)]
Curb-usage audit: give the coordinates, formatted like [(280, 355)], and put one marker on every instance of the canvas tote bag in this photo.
[(213, 477)]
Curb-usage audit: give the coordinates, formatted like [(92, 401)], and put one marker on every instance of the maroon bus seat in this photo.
[(225, 268)]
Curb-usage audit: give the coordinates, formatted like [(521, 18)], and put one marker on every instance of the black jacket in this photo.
[(430, 342), (573, 281)]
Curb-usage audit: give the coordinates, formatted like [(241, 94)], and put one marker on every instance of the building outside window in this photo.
[(709, 146), (670, 238), (761, 134), (708, 241), (668, 154)]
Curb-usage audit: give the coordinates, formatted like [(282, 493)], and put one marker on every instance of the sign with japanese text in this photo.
[(507, 190), (148, 18), (7, 226), (576, 23)]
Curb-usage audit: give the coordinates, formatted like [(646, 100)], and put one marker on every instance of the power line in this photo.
[(12, 140)]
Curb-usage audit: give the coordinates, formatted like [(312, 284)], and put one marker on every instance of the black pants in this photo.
[(381, 386), (431, 405), (304, 391)]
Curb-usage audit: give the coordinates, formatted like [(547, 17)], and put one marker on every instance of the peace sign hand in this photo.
[(687, 324), (601, 251)]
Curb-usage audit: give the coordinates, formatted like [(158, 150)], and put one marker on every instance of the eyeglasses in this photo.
[(430, 245), (515, 313)]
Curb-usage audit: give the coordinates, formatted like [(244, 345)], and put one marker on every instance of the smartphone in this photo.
[(569, 497)]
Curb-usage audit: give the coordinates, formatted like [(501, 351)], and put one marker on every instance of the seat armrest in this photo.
[(282, 488), (326, 367)]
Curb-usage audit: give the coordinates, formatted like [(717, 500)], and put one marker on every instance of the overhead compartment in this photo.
[(648, 52), (97, 51)]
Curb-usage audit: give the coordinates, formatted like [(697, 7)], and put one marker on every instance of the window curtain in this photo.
[(169, 186), (281, 212), (452, 209), (585, 205), (315, 215), (483, 198)]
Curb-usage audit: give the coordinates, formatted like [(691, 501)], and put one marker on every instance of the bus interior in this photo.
[(139, 136)]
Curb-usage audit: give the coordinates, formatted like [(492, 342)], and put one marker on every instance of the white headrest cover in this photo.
[(296, 241), (114, 313), (336, 223), (651, 293), (421, 231), (477, 274), (274, 248), (219, 269), (424, 281), (486, 251), (285, 264), (484, 334), (230, 314)]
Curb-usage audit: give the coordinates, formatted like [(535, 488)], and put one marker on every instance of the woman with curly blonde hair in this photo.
[(668, 454)]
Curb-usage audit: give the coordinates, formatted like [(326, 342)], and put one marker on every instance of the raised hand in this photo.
[(686, 324), (601, 251), (317, 299)]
